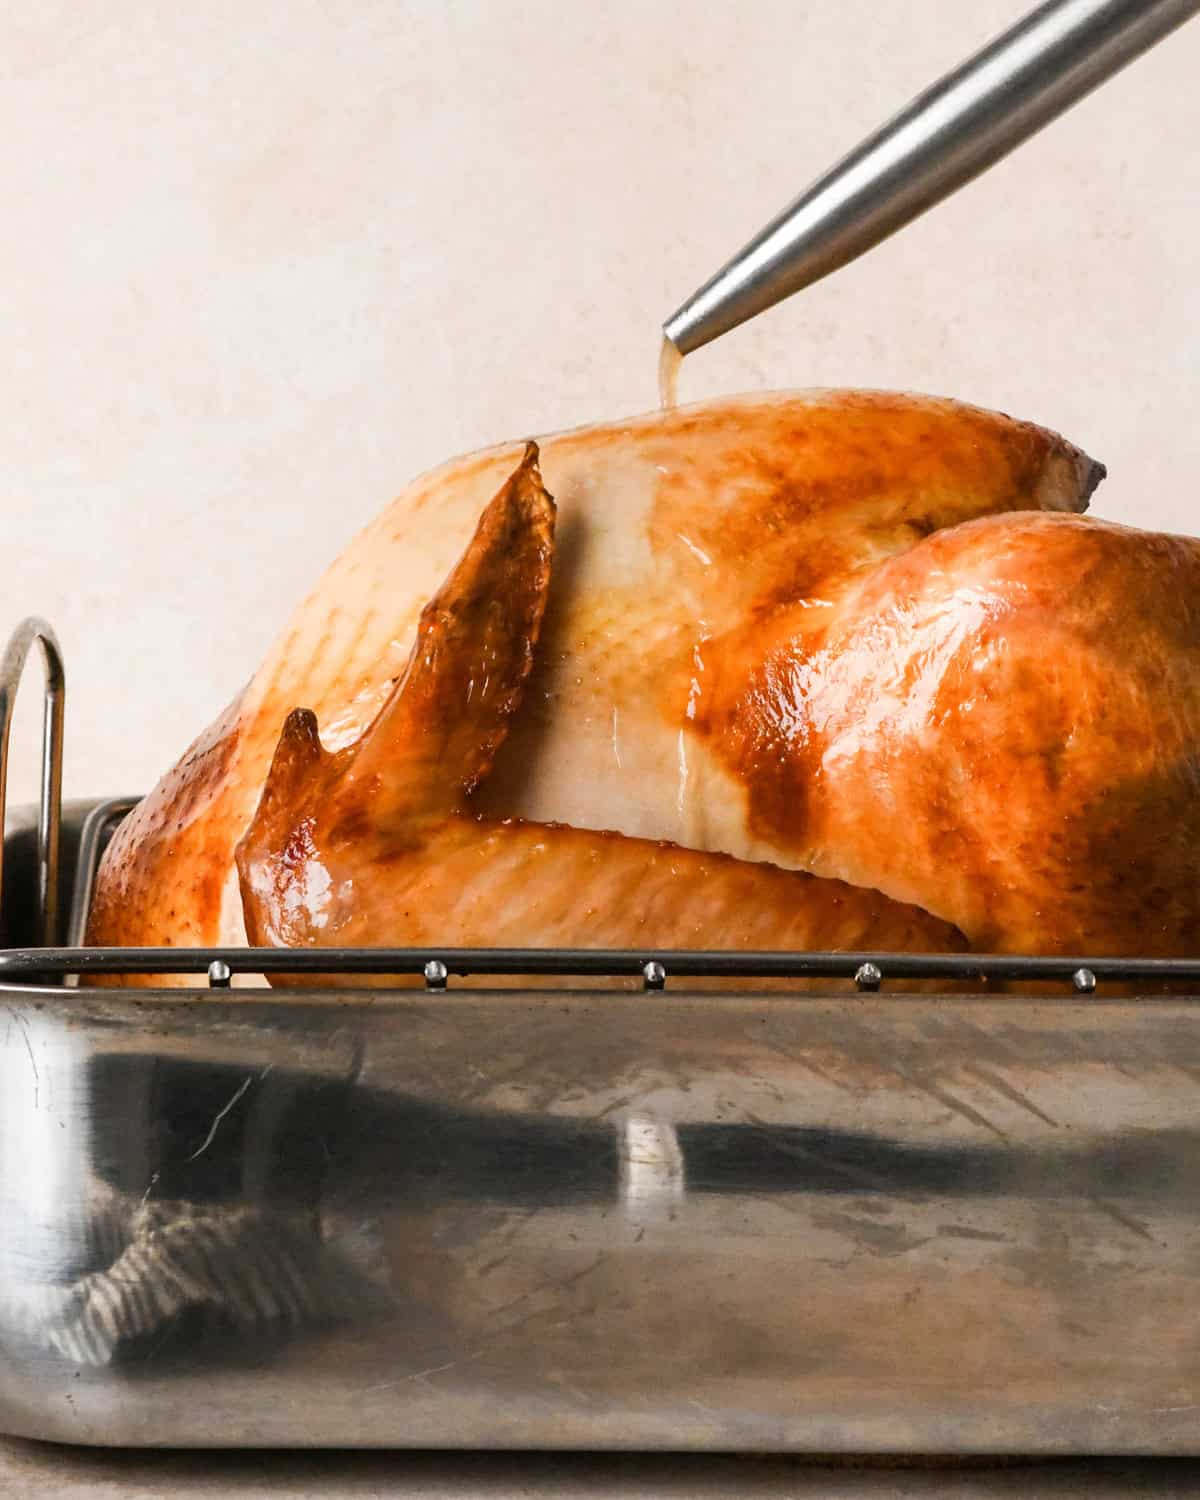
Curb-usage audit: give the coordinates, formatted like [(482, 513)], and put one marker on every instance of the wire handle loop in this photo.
[(12, 667)]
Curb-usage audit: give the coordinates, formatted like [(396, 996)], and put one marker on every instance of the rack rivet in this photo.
[(868, 976), (219, 974), (436, 974), (654, 975), (1084, 981)]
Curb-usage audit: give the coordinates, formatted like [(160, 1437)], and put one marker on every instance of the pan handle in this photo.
[(12, 666)]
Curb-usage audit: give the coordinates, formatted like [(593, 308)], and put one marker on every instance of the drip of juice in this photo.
[(669, 360)]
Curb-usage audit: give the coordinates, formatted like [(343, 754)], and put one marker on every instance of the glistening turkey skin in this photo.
[(1001, 725), (380, 844)]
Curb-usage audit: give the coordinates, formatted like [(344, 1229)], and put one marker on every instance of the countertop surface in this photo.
[(36, 1469)]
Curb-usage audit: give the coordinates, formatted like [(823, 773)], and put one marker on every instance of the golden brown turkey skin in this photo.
[(379, 844), (673, 530), (1001, 725)]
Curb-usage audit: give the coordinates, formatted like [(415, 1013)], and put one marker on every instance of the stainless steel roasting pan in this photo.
[(654, 1218)]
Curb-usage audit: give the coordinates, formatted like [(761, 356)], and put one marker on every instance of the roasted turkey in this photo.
[(639, 684)]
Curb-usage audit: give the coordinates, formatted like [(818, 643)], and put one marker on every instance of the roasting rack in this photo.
[(651, 1217)]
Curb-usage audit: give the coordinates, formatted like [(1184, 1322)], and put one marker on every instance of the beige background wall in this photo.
[(263, 260)]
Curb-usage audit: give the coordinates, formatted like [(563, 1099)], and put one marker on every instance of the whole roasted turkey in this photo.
[(828, 670)]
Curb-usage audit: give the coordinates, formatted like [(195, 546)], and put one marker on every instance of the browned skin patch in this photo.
[(378, 845), (1000, 725)]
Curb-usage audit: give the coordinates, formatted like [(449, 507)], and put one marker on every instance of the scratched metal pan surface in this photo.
[(617, 1220)]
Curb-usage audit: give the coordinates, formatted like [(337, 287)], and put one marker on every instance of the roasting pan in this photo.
[(651, 1218)]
